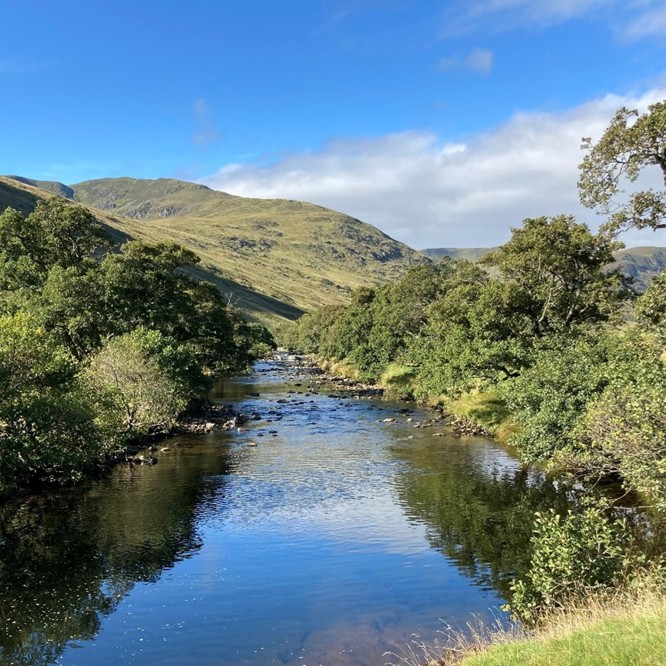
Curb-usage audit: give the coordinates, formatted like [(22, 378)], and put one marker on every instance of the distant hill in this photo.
[(49, 185), (275, 258), (470, 253), (639, 263)]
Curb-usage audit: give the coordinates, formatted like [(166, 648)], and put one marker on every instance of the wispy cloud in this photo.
[(205, 132), (478, 60), (429, 192), (651, 23), (629, 19)]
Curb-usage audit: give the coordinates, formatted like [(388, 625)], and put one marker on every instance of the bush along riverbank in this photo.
[(100, 348), (544, 346)]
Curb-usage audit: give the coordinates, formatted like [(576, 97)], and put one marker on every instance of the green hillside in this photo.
[(275, 258), (642, 264)]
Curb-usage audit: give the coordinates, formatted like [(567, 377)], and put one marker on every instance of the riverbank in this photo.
[(625, 630), (476, 417)]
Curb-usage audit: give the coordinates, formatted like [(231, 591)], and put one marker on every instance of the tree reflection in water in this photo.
[(76, 554), (478, 508)]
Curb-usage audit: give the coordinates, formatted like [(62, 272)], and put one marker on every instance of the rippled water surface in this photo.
[(336, 539)]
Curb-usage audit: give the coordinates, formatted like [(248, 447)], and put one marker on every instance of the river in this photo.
[(334, 531)]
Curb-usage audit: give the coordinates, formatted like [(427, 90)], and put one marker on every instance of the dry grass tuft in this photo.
[(453, 643)]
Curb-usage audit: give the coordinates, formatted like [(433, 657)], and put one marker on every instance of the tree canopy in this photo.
[(100, 344), (631, 143)]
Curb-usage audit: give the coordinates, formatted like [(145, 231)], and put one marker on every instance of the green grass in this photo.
[(398, 380), (487, 409), (626, 627), (632, 634)]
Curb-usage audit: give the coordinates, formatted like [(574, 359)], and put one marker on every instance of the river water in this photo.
[(339, 539)]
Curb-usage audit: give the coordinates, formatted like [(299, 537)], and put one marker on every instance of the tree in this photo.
[(56, 233), (625, 426), (47, 433), (471, 336), (631, 143), (550, 398), (136, 386), (651, 306), (399, 313), (557, 268)]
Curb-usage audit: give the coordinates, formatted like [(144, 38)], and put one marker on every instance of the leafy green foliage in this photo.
[(97, 346), (556, 269), (54, 234), (631, 143), (651, 306), (47, 433), (572, 555), (626, 424), (550, 397), (138, 382), (471, 338)]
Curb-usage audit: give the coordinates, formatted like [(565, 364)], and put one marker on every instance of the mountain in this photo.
[(275, 258), (641, 264)]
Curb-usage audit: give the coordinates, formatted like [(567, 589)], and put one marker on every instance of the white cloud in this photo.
[(428, 192), (649, 24), (465, 16), (478, 60)]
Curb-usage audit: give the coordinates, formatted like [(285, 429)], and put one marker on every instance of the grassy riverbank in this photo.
[(616, 632), (625, 628)]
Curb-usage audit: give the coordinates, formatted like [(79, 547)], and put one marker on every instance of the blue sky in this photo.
[(442, 123)]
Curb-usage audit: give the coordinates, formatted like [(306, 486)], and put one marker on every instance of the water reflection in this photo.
[(478, 505), (329, 542), (67, 559)]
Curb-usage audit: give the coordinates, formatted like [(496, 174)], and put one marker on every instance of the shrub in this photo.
[(572, 556), (138, 382), (626, 424), (47, 433)]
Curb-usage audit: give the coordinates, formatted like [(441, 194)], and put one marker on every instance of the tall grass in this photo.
[(398, 380)]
